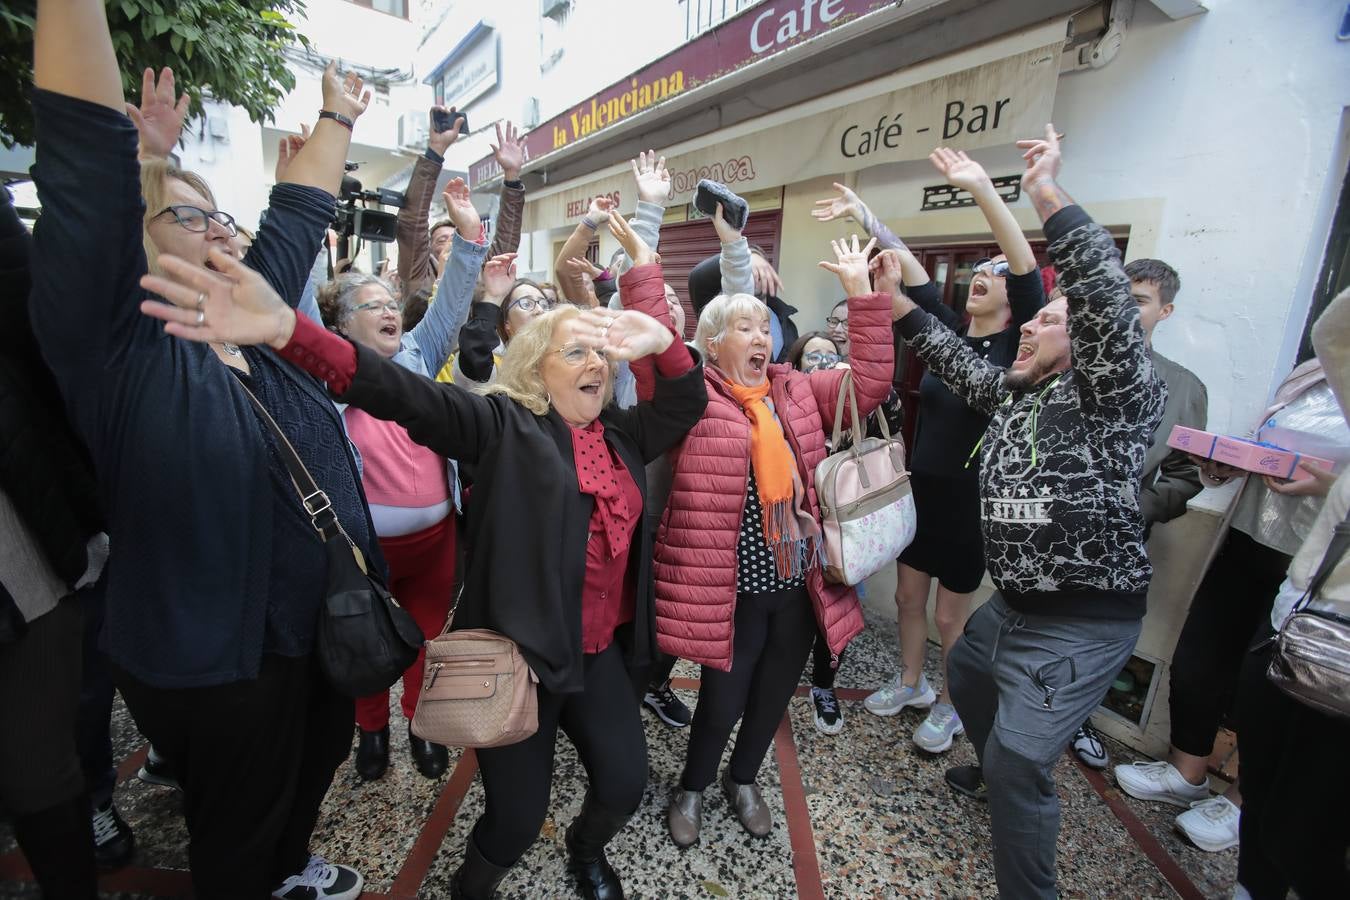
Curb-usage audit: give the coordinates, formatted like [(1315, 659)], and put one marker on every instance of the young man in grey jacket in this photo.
[(1060, 470), (1171, 478)]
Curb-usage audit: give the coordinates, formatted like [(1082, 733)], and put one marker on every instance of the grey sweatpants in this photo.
[(1022, 685)]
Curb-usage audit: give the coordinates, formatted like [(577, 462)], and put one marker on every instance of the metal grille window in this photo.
[(701, 15), (392, 7)]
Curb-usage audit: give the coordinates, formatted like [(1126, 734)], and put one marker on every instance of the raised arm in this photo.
[(478, 338), (73, 53), (1110, 355), (569, 281), (438, 332), (847, 204), (416, 269), (321, 161), (510, 153), (738, 275), (872, 356), (965, 173)]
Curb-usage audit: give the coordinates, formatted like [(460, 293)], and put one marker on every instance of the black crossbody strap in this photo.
[(312, 497)]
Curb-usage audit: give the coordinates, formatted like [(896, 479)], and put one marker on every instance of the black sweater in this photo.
[(213, 559), (528, 520), (1063, 533)]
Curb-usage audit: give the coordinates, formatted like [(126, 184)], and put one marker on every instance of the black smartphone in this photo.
[(443, 120), (734, 208)]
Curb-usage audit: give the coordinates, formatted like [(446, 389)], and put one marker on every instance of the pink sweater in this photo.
[(395, 471)]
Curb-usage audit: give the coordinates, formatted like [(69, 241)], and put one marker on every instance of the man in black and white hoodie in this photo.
[(1060, 469)]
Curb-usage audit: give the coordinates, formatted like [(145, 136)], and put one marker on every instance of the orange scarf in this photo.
[(788, 528)]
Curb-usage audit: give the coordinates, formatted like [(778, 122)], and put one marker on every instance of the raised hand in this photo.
[(579, 266), (499, 273), (847, 204), (632, 244), (960, 170), (725, 233), (233, 304), (159, 119), (343, 94), (850, 266), (886, 271), (598, 212), (626, 334), (767, 282), (653, 181), (460, 207), (1042, 156), (287, 148), (440, 141), (510, 151)]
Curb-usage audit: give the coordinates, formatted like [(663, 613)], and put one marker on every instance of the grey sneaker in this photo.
[(940, 728), (896, 695)]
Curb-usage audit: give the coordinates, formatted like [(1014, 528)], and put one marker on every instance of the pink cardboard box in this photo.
[(1251, 456)]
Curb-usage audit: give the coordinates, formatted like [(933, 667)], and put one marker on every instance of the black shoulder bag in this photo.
[(366, 641)]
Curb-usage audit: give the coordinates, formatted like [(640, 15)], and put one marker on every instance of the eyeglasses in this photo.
[(835, 321), (382, 305), (530, 304), (819, 360), (576, 354), (198, 220), (998, 269)]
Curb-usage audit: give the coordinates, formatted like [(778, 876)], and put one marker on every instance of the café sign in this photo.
[(758, 33), (966, 108)]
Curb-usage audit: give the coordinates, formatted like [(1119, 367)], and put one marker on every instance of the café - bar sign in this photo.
[(758, 33)]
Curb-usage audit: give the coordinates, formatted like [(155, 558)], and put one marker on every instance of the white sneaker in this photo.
[(322, 880), (1159, 781), (1211, 824), (896, 695), (1087, 744), (937, 732)]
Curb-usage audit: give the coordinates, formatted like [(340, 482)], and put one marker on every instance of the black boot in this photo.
[(476, 879), (430, 759), (372, 753), (58, 843), (586, 840)]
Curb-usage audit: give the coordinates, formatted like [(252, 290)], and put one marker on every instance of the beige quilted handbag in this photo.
[(477, 691)]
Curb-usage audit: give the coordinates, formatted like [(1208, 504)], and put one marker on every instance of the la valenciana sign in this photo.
[(758, 33)]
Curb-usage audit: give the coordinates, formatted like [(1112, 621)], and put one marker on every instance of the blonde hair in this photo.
[(721, 311), (519, 374), (155, 174)]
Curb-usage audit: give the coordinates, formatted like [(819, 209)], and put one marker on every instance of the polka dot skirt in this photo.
[(755, 571)]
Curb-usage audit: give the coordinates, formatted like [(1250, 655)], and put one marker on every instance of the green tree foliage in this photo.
[(231, 50)]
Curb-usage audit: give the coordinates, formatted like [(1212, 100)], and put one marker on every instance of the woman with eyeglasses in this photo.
[(506, 306), (560, 552), (1004, 293), (214, 595), (412, 492)]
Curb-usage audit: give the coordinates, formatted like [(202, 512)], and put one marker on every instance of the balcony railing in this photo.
[(701, 15)]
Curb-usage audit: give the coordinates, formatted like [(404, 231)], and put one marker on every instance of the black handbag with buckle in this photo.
[(366, 641)]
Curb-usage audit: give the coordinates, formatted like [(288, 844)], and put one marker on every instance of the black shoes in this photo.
[(661, 700), (969, 781), (372, 753), (586, 840), (430, 759), (114, 844), (477, 878)]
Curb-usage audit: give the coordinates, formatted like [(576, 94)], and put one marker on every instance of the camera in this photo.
[(363, 222)]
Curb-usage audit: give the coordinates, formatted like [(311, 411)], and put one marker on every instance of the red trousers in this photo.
[(422, 579)]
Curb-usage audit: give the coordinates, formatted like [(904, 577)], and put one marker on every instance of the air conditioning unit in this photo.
[(412, 130), (554, 9), (529, 116)]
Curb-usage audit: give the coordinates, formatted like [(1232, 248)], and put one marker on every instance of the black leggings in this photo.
[(603, 722), (1295, 788), (822, 673), (773, 638), (1234, 598)]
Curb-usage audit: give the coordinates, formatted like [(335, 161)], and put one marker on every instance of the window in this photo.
[(392, 7), (1335, 275)]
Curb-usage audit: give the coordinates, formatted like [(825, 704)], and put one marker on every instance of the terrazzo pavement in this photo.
[(876, 820)]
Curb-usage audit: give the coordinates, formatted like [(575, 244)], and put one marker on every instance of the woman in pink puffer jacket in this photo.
[(739, 587)]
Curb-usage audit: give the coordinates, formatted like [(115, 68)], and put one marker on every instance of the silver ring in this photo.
[(201, 300), (201, 318)]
